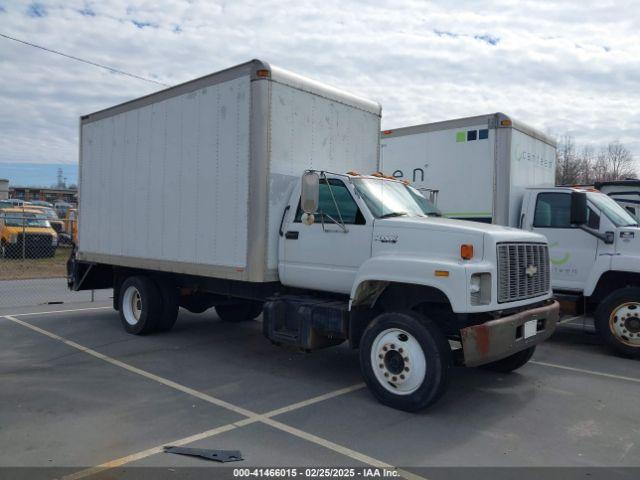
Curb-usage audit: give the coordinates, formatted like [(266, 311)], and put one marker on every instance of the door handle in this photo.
[(291, 235), (282, 219)]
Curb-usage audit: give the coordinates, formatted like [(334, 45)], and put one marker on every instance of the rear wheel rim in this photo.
[(624, 323), (132, 305), (398, 361)]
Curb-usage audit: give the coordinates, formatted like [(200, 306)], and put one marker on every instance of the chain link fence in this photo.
[(35, 244)]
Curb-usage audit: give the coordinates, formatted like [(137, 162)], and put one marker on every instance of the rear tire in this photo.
[(240, 312), (170, 304), (511, 363), (617, 321), (405, 360), (140, 305)]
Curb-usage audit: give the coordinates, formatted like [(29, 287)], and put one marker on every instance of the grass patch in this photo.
[(53, 267)]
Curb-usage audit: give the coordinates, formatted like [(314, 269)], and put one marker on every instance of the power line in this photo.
[(111, 69)]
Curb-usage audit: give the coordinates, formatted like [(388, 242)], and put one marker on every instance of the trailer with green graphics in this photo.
[(493, 169), (479, 165)]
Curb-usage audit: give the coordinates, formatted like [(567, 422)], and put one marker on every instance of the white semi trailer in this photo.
[(491, 168), (228, 191)]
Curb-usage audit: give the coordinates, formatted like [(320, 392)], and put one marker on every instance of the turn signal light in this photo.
[(466, 251), (505, 123), (263, 73)]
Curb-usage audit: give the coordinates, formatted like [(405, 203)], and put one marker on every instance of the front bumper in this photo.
[(497, 339)]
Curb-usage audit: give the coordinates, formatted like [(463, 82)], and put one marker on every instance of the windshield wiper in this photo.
[(434, 214), (393, 214)]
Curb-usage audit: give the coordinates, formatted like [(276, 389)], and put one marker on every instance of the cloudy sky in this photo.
[(563, 67)]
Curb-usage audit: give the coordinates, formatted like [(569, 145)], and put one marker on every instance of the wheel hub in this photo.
[(632, 324), (625, 324), (398, 361), (394, 363)]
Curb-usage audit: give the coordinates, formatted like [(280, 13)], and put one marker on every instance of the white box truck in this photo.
[(494, 169), (229, 191)]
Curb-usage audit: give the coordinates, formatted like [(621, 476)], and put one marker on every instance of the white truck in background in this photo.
[(221, 192), (493, 169), (625, 192)]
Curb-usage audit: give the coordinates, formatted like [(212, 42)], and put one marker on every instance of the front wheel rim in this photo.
[(624, 323), (398, 361), (132, 305)]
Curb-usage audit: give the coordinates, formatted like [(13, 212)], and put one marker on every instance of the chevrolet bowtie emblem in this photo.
[(531, 270)]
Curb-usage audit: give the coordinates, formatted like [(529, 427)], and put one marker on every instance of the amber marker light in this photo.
[(466, 251)]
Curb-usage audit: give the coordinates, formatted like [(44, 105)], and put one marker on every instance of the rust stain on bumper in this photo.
[(497, 339)]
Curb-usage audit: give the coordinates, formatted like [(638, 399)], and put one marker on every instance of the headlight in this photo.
[(480, 289), (54, 240), (13, 238)]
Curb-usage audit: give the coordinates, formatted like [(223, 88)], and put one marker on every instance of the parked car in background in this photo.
[(12, 202), (26, 233), (41, 203), (61, 208), (57, 224)]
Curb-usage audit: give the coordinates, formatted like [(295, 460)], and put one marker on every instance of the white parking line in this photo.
[(251, 416), (58, 311), (584, 370), (570, 319)]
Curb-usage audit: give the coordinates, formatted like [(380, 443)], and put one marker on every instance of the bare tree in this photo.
[(613, 162), (567, 163), (619, 162)]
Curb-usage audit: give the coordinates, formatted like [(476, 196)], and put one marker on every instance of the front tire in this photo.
[(239, 312), (617, 321), (140, 305), (405, 360), (512, 362)]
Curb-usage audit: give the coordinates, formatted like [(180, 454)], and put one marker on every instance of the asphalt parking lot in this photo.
[(80, 394)]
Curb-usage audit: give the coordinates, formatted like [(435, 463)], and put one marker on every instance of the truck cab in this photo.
[(26, 233), (416, 284), (595, 257)]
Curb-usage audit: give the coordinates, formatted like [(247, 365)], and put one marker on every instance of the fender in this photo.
[(417, 271), (601, 266), (615, 263)]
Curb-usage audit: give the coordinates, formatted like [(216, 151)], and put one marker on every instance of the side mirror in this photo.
[(578, 208), (310, 192)]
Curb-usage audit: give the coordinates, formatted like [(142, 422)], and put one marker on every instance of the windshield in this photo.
[(12, 219), (390, 199), (49, 213), (427, 206), (613, 211)]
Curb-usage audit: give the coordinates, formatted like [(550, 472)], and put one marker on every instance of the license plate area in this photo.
[(530, 328)]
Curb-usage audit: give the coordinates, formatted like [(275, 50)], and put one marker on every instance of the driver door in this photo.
[(327, 254), (572, 251)]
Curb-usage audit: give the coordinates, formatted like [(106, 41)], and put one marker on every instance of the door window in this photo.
[(553, 210), (344, 204)]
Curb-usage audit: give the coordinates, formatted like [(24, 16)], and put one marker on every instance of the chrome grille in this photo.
[(514, 261)]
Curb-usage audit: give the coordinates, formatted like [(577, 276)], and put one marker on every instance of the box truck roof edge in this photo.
[(258, 69), (494, 120)]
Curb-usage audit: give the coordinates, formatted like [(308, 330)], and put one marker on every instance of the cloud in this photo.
[(36, 10), (422, 61)]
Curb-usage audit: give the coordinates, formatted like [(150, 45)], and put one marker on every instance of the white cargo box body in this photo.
[(194, 179), (480, 165)]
